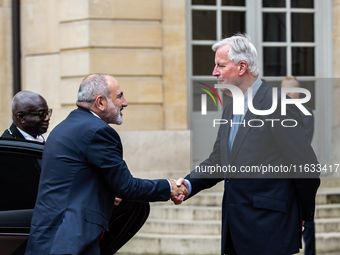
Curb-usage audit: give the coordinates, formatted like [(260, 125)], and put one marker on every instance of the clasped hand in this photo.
[(179, 190)]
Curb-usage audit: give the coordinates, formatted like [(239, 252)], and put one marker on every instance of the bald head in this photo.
[(25, 106), (22, 100)]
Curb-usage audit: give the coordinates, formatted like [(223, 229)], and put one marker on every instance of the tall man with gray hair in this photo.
[(82, 172), (261, 213)]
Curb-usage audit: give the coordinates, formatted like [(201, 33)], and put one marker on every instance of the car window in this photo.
[(19, 179)]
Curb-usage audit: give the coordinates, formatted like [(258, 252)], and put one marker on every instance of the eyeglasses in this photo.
[(42, 114)]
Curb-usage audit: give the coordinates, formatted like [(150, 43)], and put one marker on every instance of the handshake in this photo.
[(179, 190)]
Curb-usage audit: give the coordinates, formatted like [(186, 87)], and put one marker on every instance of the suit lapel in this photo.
[(242, 131)]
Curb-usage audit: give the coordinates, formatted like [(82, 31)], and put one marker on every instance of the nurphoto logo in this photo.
[(239, 109)]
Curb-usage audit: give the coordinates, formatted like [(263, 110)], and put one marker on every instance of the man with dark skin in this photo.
[(31, 117)]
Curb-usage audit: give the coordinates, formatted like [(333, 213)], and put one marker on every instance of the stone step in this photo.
[(327, 225), (155, 244), (189, 212), (213, 227), (172, 244), (330, 182), (197, 227), (328, 196), (327, 242), (184, 212), (327, 211), (205, 199), (318, 253)]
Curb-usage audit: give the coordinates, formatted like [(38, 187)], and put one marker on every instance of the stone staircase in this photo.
[(327, 217), (194, 228)]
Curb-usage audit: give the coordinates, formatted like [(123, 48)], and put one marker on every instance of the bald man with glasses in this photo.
[(31, 117)]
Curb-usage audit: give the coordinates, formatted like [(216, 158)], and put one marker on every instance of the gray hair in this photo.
[(22, 99), (92, 86), (241, 50)]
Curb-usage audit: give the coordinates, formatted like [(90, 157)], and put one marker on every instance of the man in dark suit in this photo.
[(308, 120), (261, 216), (82, 172), (31, 117)]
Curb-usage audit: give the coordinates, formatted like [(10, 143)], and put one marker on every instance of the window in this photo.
[(292, 37), (288, 42), (211, 20), (19, 179)]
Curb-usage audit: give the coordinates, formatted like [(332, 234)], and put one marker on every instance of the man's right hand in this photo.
[(178, 192), (179, 198)]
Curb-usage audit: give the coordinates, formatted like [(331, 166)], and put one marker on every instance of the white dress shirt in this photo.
[(27, 136)]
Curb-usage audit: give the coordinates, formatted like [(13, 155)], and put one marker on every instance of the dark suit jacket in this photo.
[(13, 132), (82, 172), (308, 121), (264, 216)]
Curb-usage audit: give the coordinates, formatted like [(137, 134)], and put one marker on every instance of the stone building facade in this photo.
[(140, 42), (144, 44)]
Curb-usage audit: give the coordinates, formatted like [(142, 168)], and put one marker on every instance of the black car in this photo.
[(19, 178)]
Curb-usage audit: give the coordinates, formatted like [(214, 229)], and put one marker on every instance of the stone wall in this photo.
[(140, 42), (6, 87)]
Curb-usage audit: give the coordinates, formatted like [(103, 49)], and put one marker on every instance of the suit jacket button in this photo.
[(228, 180)]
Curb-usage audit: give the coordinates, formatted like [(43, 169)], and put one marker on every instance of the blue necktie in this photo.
[(233, 130)]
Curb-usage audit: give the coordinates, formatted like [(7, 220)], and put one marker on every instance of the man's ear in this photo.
[(243, 67), (100, 103), (20, 118)]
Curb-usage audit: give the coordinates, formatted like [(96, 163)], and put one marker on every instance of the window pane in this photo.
[(19, 179), (303, 61), (203, 60), (233, 22), (203, 2), (274, 27), (302, 3), (234, 2), (302, 27), (275, 3), (274, 61), (197, 95), (203, 25)]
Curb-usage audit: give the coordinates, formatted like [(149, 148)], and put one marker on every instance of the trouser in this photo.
[(309, 237), (229, 246)]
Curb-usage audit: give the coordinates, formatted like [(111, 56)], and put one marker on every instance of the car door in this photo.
[(19, 179)]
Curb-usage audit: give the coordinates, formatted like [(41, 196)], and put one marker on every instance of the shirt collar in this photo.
[(95, 114), (27, 136)]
